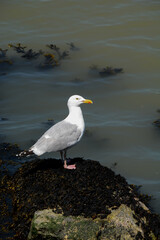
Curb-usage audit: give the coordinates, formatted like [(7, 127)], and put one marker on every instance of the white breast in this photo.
[(76, 117)]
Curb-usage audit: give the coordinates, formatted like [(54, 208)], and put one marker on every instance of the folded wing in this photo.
[(59, 137)]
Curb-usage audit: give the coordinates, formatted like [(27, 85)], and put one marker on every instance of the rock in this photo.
[(94, 194), (120, 224), (48, 225)]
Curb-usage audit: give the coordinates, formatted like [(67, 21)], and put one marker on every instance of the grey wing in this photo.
[(59, 137)]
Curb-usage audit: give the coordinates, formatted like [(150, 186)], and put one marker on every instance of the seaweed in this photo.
[(157, 123), (30, 54), (108, 71), (5, 62), (91, 191), (3, 53), (50, 122), (50, 61), (61, 55), (105, 72), (18, 48), (4, 119), (73, 47)]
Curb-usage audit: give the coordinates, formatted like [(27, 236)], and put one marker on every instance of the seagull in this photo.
[(64, 134)]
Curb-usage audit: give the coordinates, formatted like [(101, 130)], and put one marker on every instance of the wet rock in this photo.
[(48, 225), (121, 223), (91, 191)]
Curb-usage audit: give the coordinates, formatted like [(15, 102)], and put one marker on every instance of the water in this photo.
[(109, 33)]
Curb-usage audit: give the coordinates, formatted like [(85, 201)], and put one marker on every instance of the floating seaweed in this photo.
[(108, 71), (77, 80), (4, 61), (3, 74), (18, 48), (50, 61), (5, 64), (73, 47), (50, 122), (157, 123), (53, 47), (30, 54), (3, 53), (4, 119), (57, 50), (94, 67), (64, 54)]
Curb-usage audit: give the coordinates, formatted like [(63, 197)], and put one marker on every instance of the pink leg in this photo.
[(69, 166), (73, 166)]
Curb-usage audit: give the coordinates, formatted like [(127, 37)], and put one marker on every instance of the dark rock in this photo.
[(91, 191)]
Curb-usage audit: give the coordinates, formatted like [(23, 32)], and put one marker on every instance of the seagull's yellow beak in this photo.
[(87, 101)]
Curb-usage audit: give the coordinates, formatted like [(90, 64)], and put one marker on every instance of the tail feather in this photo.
[(25, 153)]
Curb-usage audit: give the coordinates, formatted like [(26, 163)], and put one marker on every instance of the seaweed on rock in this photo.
[(91, 191)]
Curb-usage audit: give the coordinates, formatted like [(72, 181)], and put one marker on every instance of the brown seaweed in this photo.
[(105, 72), (18, 48)]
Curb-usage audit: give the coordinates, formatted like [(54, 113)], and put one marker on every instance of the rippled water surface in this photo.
[(123, 34)]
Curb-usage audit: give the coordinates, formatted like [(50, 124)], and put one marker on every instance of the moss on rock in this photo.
[(119, 224), (48, 225)]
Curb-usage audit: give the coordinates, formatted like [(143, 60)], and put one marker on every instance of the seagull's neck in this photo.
[(75, 116)]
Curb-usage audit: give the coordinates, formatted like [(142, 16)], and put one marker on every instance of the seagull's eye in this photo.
[(77, 98)]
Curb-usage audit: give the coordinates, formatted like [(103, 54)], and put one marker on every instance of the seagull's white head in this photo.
[(76, 100)]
